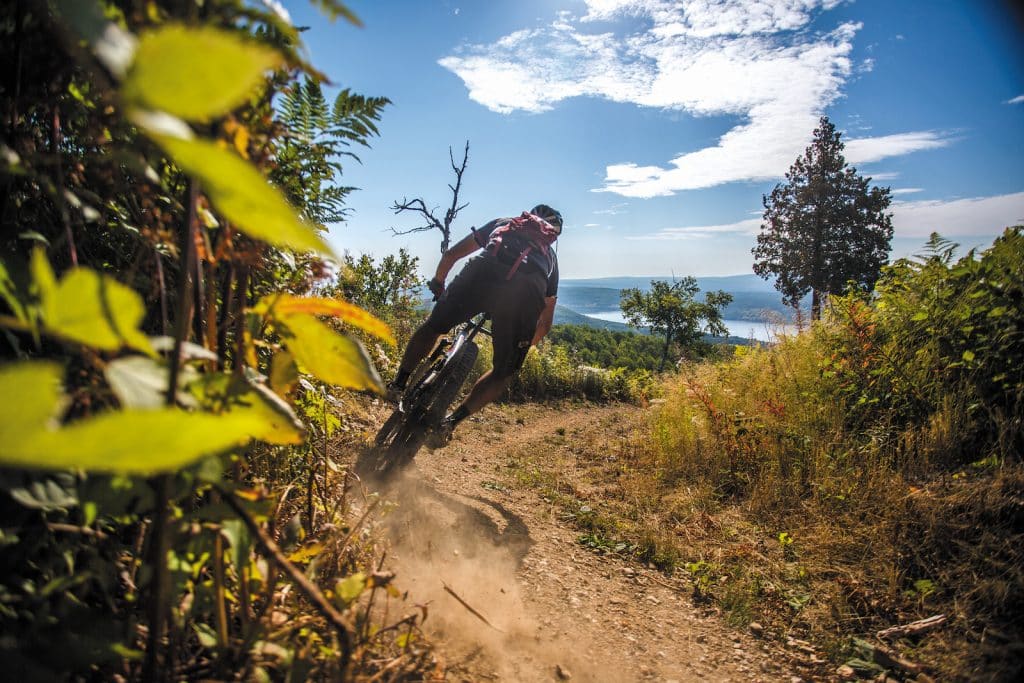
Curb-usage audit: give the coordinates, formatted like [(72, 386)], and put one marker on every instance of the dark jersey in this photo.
[(546, 264)]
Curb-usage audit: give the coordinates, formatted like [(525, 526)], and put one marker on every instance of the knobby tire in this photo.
[(403, 433)]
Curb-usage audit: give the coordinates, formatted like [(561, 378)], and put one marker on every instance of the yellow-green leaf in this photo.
[(43, 280), (281, 305), (351, 587), (95, 310), (141, 442), (306, 553), (241, 193), (31, 397), (197, 72), (330, 356), (283, 373), (275, 420)]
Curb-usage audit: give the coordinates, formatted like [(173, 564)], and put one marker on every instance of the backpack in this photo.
[(514, 241)]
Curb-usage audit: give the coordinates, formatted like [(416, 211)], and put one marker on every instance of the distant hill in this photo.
[(730, 283), (754, 299), (567, 316)]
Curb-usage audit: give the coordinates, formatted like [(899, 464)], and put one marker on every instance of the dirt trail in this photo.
[(557, 610)]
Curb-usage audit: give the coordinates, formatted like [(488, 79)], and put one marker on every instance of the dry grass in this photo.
[(749, 483)]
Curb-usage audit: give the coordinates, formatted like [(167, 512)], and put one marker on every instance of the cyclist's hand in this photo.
[(436, 287)]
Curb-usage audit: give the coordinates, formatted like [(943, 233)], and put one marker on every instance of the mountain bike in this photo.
[(432, 388)]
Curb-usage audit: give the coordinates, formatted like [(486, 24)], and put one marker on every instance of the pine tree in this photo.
[(824, 229)]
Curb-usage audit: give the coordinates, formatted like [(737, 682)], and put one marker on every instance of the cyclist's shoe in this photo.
[(393, 393), (441, 435)]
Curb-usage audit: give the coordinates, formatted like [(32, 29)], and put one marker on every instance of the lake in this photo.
[(748, 329)]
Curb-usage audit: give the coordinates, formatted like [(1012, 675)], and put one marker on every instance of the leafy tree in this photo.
[(672, 310), (608, 348), (824, 228), (388, 288)]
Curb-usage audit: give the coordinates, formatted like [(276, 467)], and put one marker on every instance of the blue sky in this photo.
[(656, 126)]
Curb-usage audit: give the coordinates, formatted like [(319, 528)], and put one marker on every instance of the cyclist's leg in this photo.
[(420, 344), (514, 316), (460, 302)]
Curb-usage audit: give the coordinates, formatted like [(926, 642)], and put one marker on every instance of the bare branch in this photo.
[(418, 205)]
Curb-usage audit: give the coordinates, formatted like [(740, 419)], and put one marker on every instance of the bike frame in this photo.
[(446, 349), (436, 382)]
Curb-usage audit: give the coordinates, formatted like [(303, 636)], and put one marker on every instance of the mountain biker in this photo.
[(517, 291)]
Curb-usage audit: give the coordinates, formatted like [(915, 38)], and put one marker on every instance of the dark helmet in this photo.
[(547, 213)]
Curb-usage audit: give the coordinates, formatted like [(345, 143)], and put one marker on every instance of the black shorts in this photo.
[(514, 304)]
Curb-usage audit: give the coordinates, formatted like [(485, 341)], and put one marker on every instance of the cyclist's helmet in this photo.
[(547, 213)]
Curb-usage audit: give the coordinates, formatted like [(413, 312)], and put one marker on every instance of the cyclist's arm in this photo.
[(547, 316), (464, 247)]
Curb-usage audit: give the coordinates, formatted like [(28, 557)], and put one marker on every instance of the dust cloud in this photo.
[(475, 547)]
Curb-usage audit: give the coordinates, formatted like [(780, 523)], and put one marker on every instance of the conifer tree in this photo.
[(824, 229)]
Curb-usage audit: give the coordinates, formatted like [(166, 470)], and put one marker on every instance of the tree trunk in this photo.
[(815, 304), (664, 353)]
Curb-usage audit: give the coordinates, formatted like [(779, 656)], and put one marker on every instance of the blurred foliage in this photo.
[(171, 385), (550, 372)]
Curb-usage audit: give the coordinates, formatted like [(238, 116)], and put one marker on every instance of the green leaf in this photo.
[(141, 382), (132, 442), (283, 372), (196, 73), (54, 492), (207, 636), (333, 9), (241, 193), (237, 534), (277, 422), (31, 396), (43, 279), (328, 355), (92, 309), (305, 553), (968, 355), (9, 293), (351, 587)]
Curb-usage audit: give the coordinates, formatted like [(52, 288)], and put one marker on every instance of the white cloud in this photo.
[(750, 226), (1019, 99), (754, 59), (969, 217), (907, 190), (865, 150)]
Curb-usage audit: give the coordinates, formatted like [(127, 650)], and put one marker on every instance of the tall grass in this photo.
[(550, 373), (875, 461)]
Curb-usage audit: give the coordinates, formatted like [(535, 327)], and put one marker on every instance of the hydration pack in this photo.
[(513, 242)]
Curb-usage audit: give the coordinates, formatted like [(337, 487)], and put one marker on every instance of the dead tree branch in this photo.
[(431, 221)]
